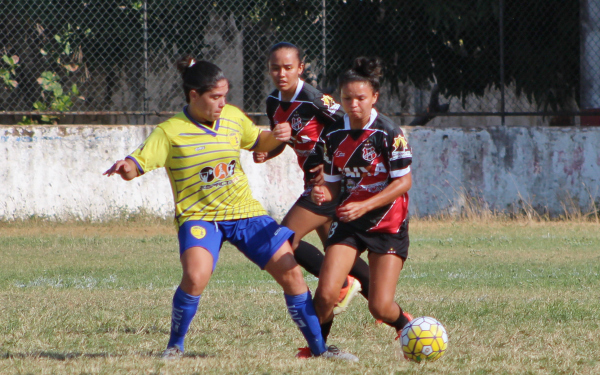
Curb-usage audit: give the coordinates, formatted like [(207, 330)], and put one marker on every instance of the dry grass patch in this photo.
[(516, 298)]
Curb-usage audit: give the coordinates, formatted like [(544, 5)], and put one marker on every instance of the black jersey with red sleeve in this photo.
[(366, 161), (309, 113)]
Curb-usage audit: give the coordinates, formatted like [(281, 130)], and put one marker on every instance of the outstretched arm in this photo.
[(124, 168), (261, 157), (269, 140)]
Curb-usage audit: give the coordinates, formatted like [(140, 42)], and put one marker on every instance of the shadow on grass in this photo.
[(58, 356)]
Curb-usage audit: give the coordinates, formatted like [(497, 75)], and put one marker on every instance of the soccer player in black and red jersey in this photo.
[(310, 113), (367, 161)]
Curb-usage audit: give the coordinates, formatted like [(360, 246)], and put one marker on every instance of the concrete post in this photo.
[(590, 60)]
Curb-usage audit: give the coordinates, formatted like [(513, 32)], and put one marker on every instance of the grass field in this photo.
[(515, 297)]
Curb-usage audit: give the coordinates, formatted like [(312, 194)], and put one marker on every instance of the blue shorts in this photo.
[(258, 238)]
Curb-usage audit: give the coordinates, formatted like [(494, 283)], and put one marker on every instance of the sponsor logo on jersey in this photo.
[(331, 105), (198, 232), (401, 155), (369, 153), (339, 154), (327, 100), (399, 142), (199, 148), (380, 168), (207, 174), (355, 171), (372, 188), (303, 139), (296, 122), (220, 171)]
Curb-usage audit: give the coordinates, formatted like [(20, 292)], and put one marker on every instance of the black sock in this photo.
[(400, 322), (360, 272), (325, 329), (309, 257)]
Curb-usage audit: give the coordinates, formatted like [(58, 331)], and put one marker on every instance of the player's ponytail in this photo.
[(198, 75), (364, 69)]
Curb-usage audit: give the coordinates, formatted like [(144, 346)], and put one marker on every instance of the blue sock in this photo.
[(184, 309), (303, 314)]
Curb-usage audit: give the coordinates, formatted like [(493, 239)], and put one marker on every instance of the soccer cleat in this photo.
[(304, 353), (334, 353), (172, 353), (346, 295), (407, 316)]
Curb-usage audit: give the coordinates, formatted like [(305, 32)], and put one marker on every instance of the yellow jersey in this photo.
[(203, 164)]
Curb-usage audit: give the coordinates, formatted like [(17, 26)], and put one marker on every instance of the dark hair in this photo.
[(364, 69), (280, 45), (198, 75)]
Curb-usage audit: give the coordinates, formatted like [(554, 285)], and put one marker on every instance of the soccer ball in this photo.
[(423, 339)]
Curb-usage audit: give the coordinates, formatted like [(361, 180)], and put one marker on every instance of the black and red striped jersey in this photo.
[(366, 160), (309, 112)]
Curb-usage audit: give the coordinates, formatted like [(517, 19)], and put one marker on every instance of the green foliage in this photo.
[(452, 42), (8, 73)]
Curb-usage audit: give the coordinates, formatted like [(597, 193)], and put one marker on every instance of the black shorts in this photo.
[(326, 209), (376, 242)]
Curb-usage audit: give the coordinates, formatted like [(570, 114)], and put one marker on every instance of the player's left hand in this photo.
[(351, 211), (260, 157), (282, 131), (319, 178)]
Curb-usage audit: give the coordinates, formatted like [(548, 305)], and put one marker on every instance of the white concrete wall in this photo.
[(56, 171)]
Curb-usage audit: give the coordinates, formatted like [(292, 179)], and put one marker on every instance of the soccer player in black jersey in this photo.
[(310, 113), (367, 162)]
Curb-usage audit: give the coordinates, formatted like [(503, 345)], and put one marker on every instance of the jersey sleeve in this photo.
[(328, 111), (399, 153), (153, 153), (250, 133), (330, 171)]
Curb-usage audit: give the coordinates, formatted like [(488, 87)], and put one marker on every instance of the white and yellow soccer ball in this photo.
[(423, 339)]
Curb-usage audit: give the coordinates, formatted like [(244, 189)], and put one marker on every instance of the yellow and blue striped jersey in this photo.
[(203, 164)]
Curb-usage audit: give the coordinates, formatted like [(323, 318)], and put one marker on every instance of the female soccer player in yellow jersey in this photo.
[(368, 164), (200, 148)]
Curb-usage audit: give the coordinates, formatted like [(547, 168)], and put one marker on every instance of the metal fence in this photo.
[(113, 60)]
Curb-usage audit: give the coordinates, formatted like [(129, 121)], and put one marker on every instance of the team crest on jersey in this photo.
[(296, 122), (368, 152), (198, 232), (234, 139)]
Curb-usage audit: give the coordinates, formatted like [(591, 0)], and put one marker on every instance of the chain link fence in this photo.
[(112, 61)]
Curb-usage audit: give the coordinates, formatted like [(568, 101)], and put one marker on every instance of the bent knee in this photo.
[(328, 296), (292, 278), (380, 311)]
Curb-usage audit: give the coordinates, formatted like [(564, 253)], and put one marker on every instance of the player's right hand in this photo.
[(318, 194), (282, 131), (121, 168), (260, 157)]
